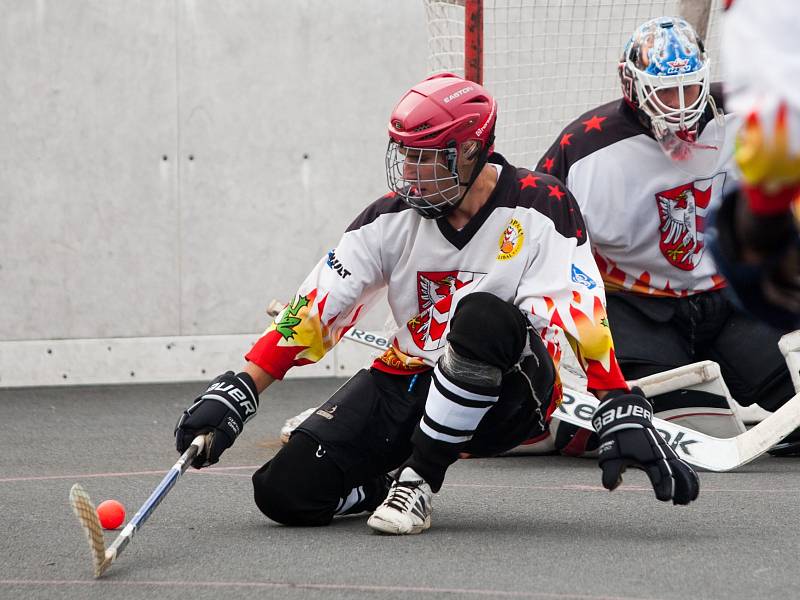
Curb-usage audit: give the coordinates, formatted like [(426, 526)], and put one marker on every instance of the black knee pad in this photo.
[(488, 329), (540, 370), (300, 485)]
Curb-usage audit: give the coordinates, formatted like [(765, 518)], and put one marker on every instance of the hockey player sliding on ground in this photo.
[(484, 264), (758, 247), (646, 171)]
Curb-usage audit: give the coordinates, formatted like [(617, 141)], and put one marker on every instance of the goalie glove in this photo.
[(628, 439), (228, 403)]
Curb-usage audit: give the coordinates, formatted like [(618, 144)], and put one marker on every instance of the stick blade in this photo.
[(87, 515)]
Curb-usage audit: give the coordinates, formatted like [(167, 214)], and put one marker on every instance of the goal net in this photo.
[(548, 61)]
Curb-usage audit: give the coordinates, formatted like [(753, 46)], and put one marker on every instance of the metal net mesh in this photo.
[(546, 61)]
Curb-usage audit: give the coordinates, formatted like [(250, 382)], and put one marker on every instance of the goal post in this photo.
[(545, 61), (473, 40)]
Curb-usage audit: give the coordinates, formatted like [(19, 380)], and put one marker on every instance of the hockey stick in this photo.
[(698, 449), (87, 515)]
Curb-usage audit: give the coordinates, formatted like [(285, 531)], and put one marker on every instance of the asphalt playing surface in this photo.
[(521, 527)]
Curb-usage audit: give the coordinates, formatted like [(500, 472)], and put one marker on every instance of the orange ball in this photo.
[(111, 514)]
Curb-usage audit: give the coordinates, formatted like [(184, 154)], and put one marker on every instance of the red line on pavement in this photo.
[(493, 486), (118, 474), (315, 586)]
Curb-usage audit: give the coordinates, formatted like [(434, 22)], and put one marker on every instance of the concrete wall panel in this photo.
[(167, 168), (87, 226), (283, 107)]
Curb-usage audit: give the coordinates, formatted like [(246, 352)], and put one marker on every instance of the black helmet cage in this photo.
[(445, 193), (409, 189)]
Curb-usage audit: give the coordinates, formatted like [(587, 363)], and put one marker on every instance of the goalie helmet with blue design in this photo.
[(665, 76)]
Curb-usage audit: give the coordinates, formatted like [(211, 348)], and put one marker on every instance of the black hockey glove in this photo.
[(628, 439), (228, 403)]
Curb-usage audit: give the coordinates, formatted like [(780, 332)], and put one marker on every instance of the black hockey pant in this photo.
[(656, 334), (336, 459)]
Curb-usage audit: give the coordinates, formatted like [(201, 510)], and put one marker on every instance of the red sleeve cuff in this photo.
[(275, 360), (765, 204), (600, 379), (271, 371)]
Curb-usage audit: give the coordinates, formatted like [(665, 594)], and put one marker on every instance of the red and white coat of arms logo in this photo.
[(435, 291), (682, 212)]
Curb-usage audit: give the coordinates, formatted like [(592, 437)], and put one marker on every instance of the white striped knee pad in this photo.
[(452, 413)]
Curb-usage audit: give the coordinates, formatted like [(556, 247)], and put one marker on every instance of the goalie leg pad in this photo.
[(702, 411)]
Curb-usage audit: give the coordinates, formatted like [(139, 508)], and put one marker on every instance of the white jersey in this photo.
[(646, 216), (762, 70), (526, 245), (761, 62)]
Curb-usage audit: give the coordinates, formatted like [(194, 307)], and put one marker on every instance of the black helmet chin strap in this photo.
[(480, 162)]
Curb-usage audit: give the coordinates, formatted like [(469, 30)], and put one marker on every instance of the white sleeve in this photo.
[(341, 287), (562, 291)]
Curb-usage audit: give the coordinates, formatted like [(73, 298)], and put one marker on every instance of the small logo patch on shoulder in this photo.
[(511, 240), (579, 276)]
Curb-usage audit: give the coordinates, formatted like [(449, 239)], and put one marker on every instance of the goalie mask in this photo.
[(665, 77), (440, 136)]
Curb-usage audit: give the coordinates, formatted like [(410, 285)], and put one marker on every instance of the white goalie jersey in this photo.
[(646, 215), (527, 245)]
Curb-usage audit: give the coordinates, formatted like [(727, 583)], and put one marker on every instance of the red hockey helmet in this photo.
[(427, 132), (443, 110)]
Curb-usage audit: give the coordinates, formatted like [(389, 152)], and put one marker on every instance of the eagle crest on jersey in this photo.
[(435, 298), (682, 212)]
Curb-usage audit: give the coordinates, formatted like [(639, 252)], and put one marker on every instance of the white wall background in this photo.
[(168, 167)]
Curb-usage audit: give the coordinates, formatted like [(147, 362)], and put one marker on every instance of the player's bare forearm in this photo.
[(261, 378)]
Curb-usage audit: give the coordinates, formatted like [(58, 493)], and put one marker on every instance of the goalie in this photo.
[(647, 170), (484, 264)]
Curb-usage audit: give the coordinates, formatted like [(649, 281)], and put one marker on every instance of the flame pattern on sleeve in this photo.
[(583, 319), (299, 336)]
